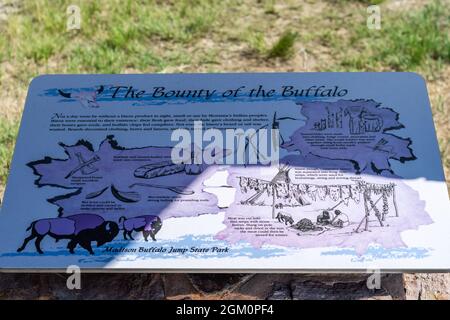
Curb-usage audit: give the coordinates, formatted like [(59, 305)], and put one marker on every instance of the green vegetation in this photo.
[(365, 2), (416, 41), (269, 6), (115, 35), (8, 132), (256, 42), (283, 47)]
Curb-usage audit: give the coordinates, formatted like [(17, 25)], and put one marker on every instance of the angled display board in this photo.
[(226, 172)]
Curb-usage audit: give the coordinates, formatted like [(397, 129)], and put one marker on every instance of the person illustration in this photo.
[(324, 218), (339, 220), (356, 123)]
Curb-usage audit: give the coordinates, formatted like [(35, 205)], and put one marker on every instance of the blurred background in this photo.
[(171, 36)]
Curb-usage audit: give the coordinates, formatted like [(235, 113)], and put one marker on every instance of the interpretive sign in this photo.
[(226, 172)]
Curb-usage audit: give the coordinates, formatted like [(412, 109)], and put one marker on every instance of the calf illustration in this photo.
[(284, 217), (80, 229), (148, 224)]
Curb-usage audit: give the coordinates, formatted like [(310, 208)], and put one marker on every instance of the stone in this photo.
[(178, 286), (427, 286), (280, 292), (214, 282)]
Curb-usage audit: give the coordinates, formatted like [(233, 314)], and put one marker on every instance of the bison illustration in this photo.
[(148, 224), (80, 229), (285, 217)]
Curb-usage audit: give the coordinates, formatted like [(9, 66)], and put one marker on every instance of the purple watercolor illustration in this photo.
[(148, 224), (352, 130), (353, 214), (80, 229), (111, 186), (335, 188)]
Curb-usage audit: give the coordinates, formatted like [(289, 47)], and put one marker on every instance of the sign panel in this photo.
[(226, 172)]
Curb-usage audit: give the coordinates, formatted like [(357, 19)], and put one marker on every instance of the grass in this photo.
[(269, 6), (284, 47), (115, 35), (8, 132), (256, 42), (367, 2), (415, 42), (441, 115)]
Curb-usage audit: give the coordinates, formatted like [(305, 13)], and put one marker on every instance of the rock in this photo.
[(93, 286), (427, 286), (280, 292), (336, 287), (215, 282), (263, 286), (178, 286), (225, 286)]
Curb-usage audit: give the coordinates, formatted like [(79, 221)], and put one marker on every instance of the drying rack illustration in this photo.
[(284, 193)]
